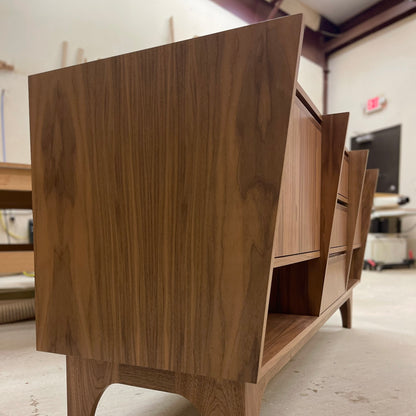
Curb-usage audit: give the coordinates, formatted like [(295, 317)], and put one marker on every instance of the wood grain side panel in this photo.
[(369, 188), (358, 164), (156, 178), (334, 129), (336, 280)]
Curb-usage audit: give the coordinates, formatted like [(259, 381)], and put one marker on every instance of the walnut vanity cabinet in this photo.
[(193, 224)]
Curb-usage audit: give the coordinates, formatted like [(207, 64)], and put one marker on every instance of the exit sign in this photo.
[(375, 104)]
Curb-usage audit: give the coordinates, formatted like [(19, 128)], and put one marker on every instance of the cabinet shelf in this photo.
[(286, 333), (281, 330)]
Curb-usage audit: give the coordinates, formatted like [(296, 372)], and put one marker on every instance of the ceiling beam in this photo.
[(253, 11), (366, 14), (312, 47), (275, 11), (373, 24)]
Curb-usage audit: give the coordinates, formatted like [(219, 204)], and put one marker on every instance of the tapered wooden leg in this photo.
[(346, 313), (209, 396), (88, 379), (223, 398), (86, 382)]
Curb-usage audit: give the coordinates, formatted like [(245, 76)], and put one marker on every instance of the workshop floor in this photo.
[(370, 369)]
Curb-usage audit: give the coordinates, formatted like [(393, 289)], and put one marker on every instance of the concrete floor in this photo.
[(370, 369)]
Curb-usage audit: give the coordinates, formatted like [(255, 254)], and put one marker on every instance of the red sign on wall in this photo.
[(375, 104)]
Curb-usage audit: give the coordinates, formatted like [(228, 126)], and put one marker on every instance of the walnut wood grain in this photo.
[(339, 228), (346, 313), (160, 178), (280, 357), (369, 187), (334, 129), (281, 330), (358, 164), (88, 379), (337, 272), (298, 216), (308, 103), (86, 382), (335, 277), (289, 292), (156, 179)]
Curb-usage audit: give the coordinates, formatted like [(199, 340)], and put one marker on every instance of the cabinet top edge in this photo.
[(307, 102)]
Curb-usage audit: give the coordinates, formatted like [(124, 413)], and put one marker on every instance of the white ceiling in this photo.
[(338, 11)]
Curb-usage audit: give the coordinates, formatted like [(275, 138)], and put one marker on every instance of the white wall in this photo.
[(381, 64), (311, 79), (32, 32)]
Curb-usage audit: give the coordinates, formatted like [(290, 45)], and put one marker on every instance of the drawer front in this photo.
[(343, 183), (298, 216), (335, 280), (339, 228)]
